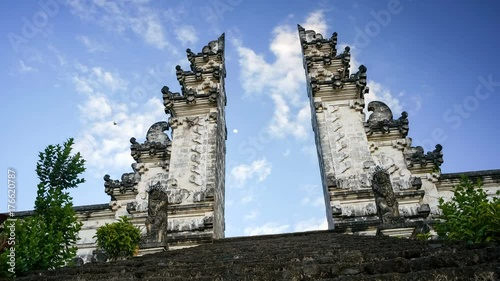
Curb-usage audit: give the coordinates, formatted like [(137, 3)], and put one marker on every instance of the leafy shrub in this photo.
[(470, 216), (119, 239)]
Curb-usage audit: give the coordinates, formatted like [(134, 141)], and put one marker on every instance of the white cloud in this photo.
[(235, 131), (258, 168), (246, 199), (268, 228), (96, 108), (316, 21), (310, 151), (312, 196), (92, 45), (120, 17), (186, 34), (108, 122), (25, 68), (311, 224), (252, 215), (96, 79), (378, 92), (283, 80)]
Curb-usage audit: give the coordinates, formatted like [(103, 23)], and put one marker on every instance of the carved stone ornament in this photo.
[(387, 205), (415, 155), (312, 38), (210, 68), (381, 120), (157, 220), (157, 142), (128, 182)]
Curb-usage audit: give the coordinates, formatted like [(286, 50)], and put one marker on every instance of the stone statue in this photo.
[(387, 206), (157, 221)]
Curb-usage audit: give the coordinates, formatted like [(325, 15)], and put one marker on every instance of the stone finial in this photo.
[(156, 133), (127, 183), (381, 112), (157, 143), (415, 155), (381, 120), (206, 67)]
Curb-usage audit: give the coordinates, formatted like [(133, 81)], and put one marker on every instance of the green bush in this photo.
[(470, 216), (119, 239)]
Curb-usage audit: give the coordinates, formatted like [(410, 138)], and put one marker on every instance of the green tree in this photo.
[(119, 239), (47, 239), (470, 216)]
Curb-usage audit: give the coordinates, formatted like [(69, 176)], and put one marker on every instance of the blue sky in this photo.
[(72, 68)]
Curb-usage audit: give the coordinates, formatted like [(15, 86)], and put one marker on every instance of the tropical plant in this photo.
[(119, 239), (470, 215)]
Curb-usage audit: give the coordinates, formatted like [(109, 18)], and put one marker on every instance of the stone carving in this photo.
[(416, 182), (415, 155), (168, 99), (345, 57), (128, 182), (156, 133), (359, 78), (309, 36), (157, 220), (381, 120), (387, 206), (157, 142), (204, 72)]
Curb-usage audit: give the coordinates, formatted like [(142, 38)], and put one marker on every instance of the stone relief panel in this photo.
[(392, 160), (349, 146), (188, 164)]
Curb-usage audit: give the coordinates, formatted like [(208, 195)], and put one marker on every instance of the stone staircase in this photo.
[(319, 255)]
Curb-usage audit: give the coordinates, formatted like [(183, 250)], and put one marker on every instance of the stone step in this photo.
[(305, 256)]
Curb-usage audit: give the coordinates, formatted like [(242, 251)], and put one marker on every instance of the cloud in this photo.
[(312, 195), (108, 121), (23, 68), (97, 79), (316, 21), (310, 151), (186, 34), (252, 215), (122, 17), (92, 45), (96, 108), (283, 79), (311, 224), (268, 228), (380, 93), (258, 168)]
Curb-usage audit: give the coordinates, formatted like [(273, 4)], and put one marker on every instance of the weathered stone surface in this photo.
[(321, 255), (349, 148)]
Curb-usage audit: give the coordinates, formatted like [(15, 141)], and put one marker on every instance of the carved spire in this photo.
[(317, 50), (201, 81)]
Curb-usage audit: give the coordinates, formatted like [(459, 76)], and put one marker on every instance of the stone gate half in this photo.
[(176, 190)]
